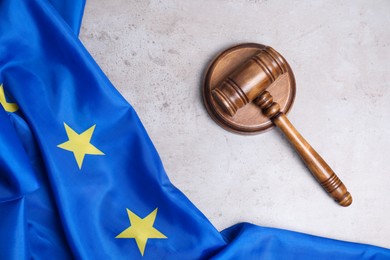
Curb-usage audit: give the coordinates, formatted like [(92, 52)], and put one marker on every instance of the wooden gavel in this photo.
[(248, 83)]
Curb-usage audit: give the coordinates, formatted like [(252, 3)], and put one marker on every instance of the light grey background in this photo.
[(155, 53)]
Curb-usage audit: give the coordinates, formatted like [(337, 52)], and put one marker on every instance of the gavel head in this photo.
[(249, 80), (240, 74)]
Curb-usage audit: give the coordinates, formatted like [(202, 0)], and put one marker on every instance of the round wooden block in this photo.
[(249, 119)]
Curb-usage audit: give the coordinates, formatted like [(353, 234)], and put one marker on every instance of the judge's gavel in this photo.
[(247, 83)]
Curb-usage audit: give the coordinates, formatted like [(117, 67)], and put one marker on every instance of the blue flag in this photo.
[(79, 176)]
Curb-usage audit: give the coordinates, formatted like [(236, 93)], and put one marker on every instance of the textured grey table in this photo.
[(155, 53)]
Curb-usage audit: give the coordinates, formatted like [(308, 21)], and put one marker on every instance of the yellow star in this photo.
[(80, 144), (9, 107), (141, 229)]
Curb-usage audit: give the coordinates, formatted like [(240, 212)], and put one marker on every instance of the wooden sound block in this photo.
[(249, 119)]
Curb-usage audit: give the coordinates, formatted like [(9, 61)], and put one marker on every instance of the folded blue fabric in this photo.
[(79, 176)]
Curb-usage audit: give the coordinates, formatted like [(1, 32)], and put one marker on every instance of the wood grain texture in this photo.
[(249, 80), (226, 69), (318, 167)]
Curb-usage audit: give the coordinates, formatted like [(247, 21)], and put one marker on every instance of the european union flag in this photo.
[(80, 178)]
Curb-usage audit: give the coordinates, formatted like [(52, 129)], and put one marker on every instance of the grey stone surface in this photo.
[(155, 53)]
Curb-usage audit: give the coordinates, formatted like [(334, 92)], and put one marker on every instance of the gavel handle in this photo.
[(318, 167)]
